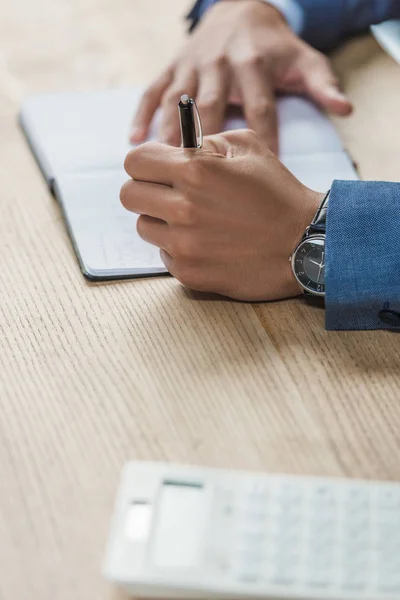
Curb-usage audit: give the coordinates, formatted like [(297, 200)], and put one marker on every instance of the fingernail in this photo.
[(137, 134)]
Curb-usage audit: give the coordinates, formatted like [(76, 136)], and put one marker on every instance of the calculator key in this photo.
[(391, 585), (389, 581), (253, 537), (284, 576), (320, 578), (323, 532), (388, 499), (247, 557), (283, 556), (354, 583), (356, 562), (249, 577), (324, 495), (286, 542), (255, 517), (357, 497)]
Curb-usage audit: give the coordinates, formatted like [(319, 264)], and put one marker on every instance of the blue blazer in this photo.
[(327, 22), (363, 223)]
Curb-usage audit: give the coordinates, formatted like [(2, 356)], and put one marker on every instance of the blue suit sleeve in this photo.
[(290, 9), (362, 254), (199, 9), (327, 22)]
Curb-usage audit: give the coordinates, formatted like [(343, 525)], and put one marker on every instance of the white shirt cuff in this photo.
[(292, 12)]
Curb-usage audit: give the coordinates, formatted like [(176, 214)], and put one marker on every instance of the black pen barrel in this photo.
[(188, 123)]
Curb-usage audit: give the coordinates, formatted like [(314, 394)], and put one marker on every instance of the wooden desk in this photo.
[(94, 375)]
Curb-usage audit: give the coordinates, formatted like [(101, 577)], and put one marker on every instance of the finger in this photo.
[(148, 105), (259, 103), (212, 97), (321, 84), (151, 199), (185, 83), (153, 231), (154, 163)]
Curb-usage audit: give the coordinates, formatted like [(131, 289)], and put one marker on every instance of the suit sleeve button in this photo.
[(390, 318)]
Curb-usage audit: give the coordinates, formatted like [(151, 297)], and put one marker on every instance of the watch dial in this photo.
[(309, 265)]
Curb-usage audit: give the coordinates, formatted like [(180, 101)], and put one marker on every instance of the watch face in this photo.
[(308, 264)]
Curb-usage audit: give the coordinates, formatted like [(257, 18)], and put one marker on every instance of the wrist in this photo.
[(261, 7), (288, 11), (298, 221), (308, 252)]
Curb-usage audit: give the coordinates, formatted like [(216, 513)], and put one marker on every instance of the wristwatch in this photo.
[(308, 259)]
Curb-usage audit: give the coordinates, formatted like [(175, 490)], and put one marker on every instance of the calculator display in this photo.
[(180, 523)]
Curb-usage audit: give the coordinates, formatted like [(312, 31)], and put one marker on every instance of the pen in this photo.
[(189, 115)]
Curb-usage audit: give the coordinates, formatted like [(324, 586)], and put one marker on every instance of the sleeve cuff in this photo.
[(362, 255), (292, 11)]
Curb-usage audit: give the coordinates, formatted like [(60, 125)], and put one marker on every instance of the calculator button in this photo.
[(321, 578), (388, 499), (390, 584), (253, 537), (357, 498), (324, 495), (354, 581), (283, 578), (249, 577), (291, 494)]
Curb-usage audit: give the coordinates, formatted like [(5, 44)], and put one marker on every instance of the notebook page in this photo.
[(103, 231), (89, 130)]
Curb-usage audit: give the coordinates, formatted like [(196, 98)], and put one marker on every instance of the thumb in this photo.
[(321, 84)]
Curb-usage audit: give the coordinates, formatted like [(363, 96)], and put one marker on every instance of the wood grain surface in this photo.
[(94, 375)]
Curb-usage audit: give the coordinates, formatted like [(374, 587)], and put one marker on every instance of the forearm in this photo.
[(363, 255)]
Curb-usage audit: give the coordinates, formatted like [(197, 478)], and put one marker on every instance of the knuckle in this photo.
[(219, 61), (140, 153), (185, 213), (185, 248), (193, 174), (148, 93), (260, 108), (254, 60), (141, 227), (249, 136), (173, 94), (129, 161), (209, 103), (188, 276), (125, 193)]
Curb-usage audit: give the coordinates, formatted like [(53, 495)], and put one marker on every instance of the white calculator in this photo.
[(192, 532)]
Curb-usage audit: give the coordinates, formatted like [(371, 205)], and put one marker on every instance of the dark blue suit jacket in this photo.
[(363, 224)]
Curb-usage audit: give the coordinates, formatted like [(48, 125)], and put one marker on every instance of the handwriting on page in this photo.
[(104, 231)]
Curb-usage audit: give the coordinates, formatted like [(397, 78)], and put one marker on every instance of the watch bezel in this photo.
[(307, 240)]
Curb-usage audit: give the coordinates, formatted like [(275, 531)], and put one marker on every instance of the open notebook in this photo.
[(80, 141)]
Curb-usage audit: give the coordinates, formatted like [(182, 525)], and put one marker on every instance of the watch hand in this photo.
[(320, 271), (322, 266), (315, 263)]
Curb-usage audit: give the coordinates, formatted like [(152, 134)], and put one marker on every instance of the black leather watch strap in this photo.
[(319, 223)]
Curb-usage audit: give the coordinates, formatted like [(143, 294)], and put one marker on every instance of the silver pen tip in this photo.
[(185, 99)]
